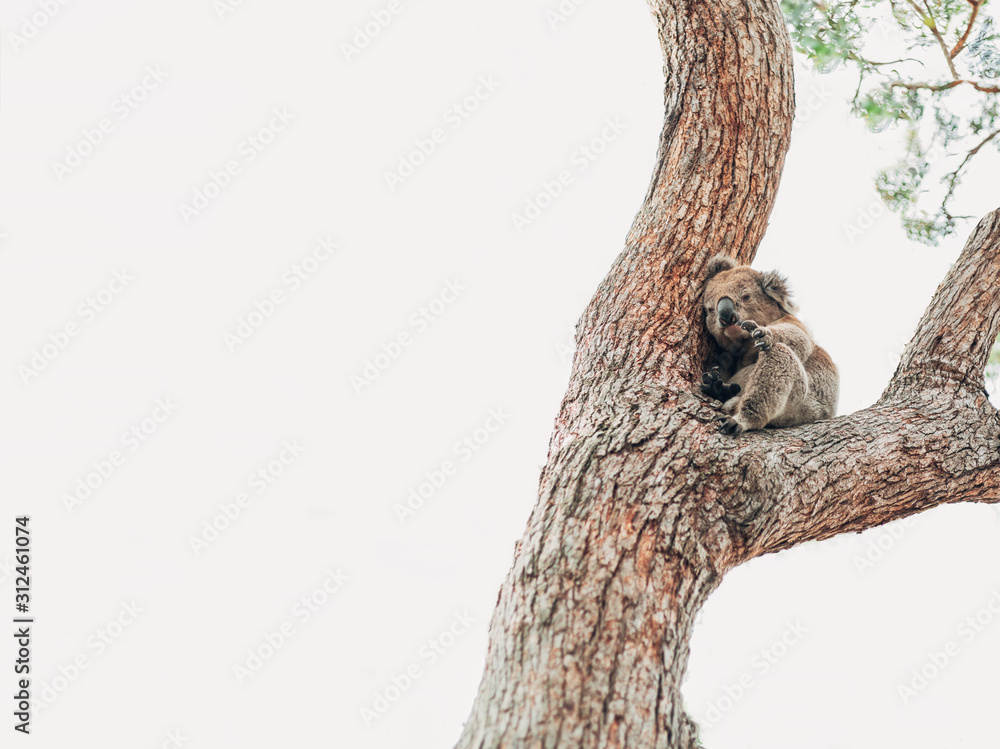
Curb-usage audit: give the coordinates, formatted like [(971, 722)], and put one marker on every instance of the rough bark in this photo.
[(643, 506)]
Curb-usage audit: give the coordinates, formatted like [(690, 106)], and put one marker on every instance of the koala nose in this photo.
[(727, 311)]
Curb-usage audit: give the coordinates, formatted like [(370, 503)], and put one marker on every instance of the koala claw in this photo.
[(711, 383), (729, 425), (713, 386), (761, 339)]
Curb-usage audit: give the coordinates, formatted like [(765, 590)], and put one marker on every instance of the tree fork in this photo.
[(643, 506)]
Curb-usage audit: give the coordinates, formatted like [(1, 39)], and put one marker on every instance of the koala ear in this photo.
[(718, 264), (775, 286)]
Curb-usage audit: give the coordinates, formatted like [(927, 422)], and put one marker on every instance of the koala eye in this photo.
[(746, 297)]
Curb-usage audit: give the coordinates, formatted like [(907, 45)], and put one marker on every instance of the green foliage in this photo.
[(940, 84)]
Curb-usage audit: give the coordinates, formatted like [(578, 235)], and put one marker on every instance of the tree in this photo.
[(948, 48), (643, 505)]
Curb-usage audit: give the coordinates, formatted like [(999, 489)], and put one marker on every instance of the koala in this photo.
[(770, 373)]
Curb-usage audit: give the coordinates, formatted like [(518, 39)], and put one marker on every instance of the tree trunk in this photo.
[(643, 505)]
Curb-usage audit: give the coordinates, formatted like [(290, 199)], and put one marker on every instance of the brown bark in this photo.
[(643, 506)]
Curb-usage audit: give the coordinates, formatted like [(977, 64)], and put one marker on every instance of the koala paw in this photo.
[(711, 383), (729, 425), (761, 338), (713, 386)]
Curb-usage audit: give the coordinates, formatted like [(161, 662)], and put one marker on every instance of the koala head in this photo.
[(734, 293)]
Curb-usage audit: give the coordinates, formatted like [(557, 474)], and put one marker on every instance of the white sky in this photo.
[(499, 343)]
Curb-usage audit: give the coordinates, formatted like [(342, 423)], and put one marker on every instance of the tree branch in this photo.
[(864, 61), (932, 438), (892, 461), (945, 86), (968, 29), (928, 19), (954, 338), (983, 87), (729, 103), (954, 177)]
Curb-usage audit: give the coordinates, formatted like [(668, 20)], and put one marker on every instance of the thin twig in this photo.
[(968, 29), (984, 89), (953, 177), (862, 60), (945, 86), (924, 86), (932, 25)]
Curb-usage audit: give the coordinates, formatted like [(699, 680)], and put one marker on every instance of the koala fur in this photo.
[(770, 373)]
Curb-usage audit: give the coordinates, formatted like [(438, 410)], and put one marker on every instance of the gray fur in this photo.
[(778, 377), (775, 286), (718, 264)]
